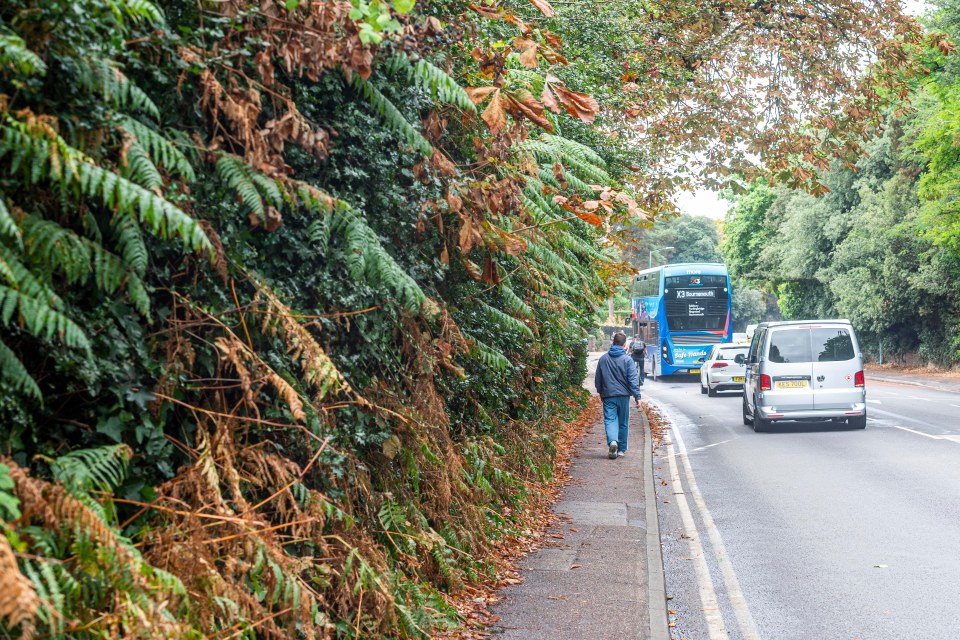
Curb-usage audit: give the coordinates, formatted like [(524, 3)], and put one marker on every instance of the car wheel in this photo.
[(759, 424), (703, 389), (712, 392), (860, 422), (746, 419)]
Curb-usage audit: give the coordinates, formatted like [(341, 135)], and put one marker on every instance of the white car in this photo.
[(722, 370)]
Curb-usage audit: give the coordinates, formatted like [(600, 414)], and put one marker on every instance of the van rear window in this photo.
[(832, 345), (790, 345)]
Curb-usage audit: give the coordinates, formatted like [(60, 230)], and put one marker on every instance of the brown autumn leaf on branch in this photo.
[(528, 52), (544, 7), (579, 105), (494, 115), (523, 104)]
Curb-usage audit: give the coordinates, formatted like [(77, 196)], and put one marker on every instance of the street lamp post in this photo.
[(650, 255)]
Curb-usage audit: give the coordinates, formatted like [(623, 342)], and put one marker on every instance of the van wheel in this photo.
[(860, 422), (759, 424), (746, 420)]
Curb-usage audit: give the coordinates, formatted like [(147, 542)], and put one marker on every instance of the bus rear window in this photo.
[(832, 345), (790, 345)]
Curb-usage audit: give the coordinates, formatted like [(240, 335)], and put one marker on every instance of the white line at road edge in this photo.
[(708, 595), (737, 600)]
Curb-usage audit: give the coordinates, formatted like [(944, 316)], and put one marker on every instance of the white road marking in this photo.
[(955, 405), (899, 416), (874, 401), (919, 433), (737, 600), (708, 595), (707, 446)]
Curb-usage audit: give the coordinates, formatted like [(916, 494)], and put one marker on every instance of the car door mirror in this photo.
[(740, 358)]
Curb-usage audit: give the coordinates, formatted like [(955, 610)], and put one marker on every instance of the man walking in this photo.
[(616, 381)]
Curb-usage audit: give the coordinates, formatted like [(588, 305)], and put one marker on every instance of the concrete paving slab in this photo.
[(600, 575)]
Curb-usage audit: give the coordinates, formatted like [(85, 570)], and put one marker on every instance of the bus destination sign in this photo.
[(698, 294)]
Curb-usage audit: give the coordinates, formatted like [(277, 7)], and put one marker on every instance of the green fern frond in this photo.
[(501, 318), (237, 175), (138, 294), (547, 258), (39, 319), (96, 469), (100, 76), (56, 248), (575, 149), (392, 116), (8, 225), (16, 57), (16, 375), (23, 280), (441, 86), (515, 303), (368, 261), (546, 175), (586, 171), (270, 188), (432, 79), (130, 243), (140, 168), (488, 356), (137, 10), (161, 150), (45, 156)]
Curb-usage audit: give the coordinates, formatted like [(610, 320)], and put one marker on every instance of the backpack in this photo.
[(639, 348)]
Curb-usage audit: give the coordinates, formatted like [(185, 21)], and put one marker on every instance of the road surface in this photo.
[(811, 532)]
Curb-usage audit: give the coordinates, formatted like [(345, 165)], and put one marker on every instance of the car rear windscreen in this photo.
[(730, 354), (832, 345), (789, 345)]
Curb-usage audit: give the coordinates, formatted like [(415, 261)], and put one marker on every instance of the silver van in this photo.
[(805, 370)]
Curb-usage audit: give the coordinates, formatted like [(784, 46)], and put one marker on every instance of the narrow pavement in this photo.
[(602, 578)]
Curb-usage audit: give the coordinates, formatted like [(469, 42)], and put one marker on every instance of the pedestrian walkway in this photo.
[(603, 579)]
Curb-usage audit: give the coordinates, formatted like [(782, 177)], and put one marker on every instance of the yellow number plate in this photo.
[(790, 384), (738, 379), (693, 371)]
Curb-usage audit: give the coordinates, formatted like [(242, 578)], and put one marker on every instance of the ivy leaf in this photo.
[(293, 4), (404, 6)]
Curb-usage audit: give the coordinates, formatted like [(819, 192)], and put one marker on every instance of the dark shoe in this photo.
[(612, 450)]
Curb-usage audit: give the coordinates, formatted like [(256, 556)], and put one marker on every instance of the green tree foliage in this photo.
[(876, 249)]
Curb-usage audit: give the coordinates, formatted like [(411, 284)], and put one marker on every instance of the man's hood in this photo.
[(617, 350)]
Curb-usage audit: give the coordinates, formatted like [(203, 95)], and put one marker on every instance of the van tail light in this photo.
[(858, 379), (718, 365), (765, 382)]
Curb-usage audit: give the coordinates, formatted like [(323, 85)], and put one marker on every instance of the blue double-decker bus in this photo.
[(681, 310)]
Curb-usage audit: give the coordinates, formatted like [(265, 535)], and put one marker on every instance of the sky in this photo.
[(702, 203)]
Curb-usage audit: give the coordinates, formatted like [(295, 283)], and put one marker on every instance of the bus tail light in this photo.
[(666, 353), (858, 379), (765, 382), (718, 365)]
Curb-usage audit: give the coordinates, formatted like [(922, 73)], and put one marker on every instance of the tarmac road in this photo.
[(811, 532)]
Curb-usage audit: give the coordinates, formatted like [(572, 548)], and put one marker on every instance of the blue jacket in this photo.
[(617, 374)]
